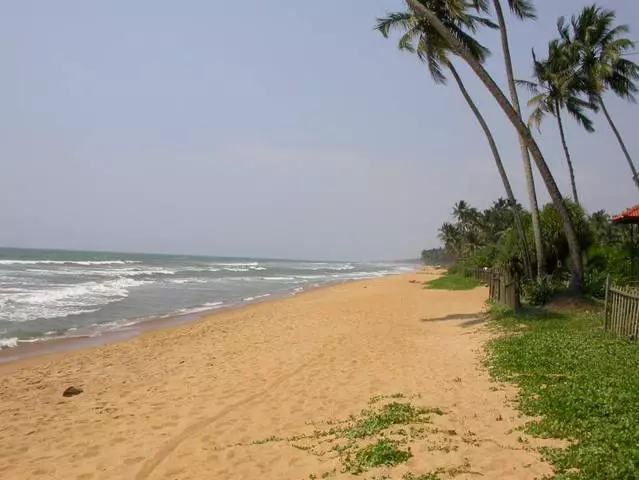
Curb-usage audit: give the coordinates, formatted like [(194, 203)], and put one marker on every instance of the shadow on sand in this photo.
[(472, 319)]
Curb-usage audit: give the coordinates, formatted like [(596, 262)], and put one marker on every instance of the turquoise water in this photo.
[(47, 294)]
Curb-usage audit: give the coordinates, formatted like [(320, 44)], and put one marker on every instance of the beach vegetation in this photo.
[(586, 61), (578, 383), (372, 422), (487, 240), (452, 281), (384, 452), (435, 257), (380, 435), (437, 14), (420, 38)]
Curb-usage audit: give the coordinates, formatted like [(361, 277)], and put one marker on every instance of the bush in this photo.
[(540, 292), (595, 282), (604, 260)]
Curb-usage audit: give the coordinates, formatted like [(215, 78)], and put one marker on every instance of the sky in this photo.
[(284, 129)]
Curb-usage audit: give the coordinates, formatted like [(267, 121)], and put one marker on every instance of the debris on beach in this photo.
[(72, 391)]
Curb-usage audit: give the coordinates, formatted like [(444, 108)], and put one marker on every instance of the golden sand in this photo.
[(239, 394)]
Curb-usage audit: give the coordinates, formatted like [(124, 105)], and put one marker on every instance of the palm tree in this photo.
[(556, 87), (451, 237), (418, 37), (524, 10), (430, 15), (601, 47)]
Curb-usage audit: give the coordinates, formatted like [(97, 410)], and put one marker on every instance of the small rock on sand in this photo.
[(72, 391)]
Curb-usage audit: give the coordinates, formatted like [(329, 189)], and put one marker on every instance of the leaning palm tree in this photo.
[(431, 16), (419, 38), (524, 10), (601, 47), (556, 87)]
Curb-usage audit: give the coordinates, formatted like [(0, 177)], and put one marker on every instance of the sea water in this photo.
[(46, 294)]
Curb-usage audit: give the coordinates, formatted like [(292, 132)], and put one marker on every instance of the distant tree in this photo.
[(435, 256)]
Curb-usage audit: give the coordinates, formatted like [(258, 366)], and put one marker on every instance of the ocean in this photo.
[(47, 294)]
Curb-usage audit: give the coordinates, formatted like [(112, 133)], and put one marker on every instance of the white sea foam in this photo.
[(106, 272), (279, 278), (315, 266), (250, 299), (239, 264), (63, 301), (182, 281), (8, 342), (201, 308), (67, 262), (239, 267)]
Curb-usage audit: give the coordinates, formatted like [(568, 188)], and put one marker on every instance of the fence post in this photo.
[(606, 306)]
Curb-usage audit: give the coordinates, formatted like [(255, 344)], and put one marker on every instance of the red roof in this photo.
[(630, 215)]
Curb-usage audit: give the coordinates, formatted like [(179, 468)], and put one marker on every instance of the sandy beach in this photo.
[(247, 393)]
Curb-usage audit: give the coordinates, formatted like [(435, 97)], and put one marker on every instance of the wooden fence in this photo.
[(621, 311), (502, 286)]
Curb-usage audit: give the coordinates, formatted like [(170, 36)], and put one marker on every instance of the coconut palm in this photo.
[(451, 237), (557, 87), (601, 47), (524, 10), (420, 38), (424, 11)]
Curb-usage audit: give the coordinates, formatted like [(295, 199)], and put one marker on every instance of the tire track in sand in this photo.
[(152, 463)]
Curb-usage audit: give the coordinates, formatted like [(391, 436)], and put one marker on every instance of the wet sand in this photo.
[(239, 394)]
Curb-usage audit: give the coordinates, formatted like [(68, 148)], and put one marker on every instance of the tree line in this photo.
[(486, 238), (585, 63)]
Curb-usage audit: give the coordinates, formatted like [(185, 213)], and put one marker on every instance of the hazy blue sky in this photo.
[(280, 128)]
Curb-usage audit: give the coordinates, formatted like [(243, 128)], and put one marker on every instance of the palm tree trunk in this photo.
[(576, 283), (500, 167), (621, 142), (525, 155), (567, 152)]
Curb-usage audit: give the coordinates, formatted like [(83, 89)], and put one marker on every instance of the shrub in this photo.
[(539, 292), (595, 282)]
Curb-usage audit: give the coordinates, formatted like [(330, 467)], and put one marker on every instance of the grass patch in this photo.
[(384, 452), (582, 382), (453, 282), (373, 422), (379, 435)]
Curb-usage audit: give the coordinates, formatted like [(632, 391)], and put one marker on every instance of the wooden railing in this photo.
[(621, 311), (503, 287)]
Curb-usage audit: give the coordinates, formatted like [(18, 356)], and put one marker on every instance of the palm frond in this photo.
[(523, 9), (394, 21), (576, 108), (532, 87)]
